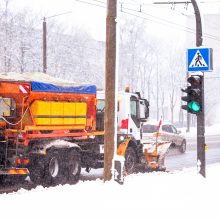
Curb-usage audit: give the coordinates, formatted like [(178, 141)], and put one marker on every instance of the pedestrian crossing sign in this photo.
[(199, 59)]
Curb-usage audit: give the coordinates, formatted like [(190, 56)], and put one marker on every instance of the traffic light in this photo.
[(194, 94)]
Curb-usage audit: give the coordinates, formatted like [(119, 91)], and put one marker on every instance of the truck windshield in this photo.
[(134, 108)]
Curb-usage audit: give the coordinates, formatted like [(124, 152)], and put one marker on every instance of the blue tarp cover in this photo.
[(47, 87)]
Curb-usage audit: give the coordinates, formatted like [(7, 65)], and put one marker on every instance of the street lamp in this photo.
[(45, 39)]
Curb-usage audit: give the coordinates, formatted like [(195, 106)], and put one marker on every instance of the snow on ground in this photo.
[(209, 130), (179, 195)]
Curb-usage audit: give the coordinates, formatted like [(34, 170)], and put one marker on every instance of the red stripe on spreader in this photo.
[(24, 89)]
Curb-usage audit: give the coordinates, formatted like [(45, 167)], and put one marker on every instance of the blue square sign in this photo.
[(199, 59)]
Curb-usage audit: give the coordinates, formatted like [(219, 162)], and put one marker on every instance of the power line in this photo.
[(192, 32), (172, 23), (158, 18), (56, 15), (89, 3), (99, 1), (213, 25), (209, 2), (163, 20), (179, 26), (166, 3), (184, 2)]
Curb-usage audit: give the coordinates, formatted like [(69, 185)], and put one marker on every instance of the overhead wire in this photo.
[(99, 1), (89, 3), (192, 32), (161, 21), (173, 23)]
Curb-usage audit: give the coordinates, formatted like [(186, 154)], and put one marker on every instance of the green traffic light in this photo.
[(194, 106)]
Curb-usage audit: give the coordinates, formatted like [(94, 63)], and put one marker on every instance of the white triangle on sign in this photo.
[(198, 60)]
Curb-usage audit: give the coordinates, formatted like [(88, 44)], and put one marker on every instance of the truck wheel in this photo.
[(53, 168), (74, 166), (130, 160), (2, 179), (36, 177), (182, 147), (37, 171)]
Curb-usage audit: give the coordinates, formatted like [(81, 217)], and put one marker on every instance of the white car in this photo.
[(167, 132)]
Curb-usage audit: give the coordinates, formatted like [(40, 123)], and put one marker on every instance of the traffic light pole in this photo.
[(200, 115), (188, 117), (201, 162)]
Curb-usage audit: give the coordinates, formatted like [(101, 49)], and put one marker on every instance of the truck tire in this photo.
[(130, 160), (53, 168), (36, 177), (74, 166), (3, 179), (182, 147), (37, 171)]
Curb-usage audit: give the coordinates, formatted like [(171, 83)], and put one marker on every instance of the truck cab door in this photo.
[(134, 120)]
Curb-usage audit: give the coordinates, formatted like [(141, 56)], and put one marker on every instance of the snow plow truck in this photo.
[(49, 131)]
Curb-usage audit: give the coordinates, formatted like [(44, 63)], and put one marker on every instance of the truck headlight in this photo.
[(121, 138)]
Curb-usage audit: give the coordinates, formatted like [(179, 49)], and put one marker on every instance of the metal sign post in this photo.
[(200, 59)]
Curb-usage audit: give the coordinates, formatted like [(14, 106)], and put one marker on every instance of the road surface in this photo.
[(177, 161), (174, 161)]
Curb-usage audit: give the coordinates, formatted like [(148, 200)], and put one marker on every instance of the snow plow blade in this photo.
[(154, 154)]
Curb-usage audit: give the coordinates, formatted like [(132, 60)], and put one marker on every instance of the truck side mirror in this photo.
[(144, 109), (147, 108)]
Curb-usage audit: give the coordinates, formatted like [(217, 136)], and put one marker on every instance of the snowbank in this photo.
[(209, 130), (181, 195)]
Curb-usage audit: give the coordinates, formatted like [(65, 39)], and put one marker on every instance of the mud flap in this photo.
[(119, 169)]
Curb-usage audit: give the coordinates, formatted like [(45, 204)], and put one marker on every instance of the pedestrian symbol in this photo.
[(199, 59)]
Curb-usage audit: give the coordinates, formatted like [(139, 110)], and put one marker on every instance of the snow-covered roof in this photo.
[(35, 76)]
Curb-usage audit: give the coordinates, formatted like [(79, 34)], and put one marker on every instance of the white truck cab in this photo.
[(131, 111)]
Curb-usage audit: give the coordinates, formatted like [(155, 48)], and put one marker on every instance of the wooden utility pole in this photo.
[(45, 39), (110, 88), (44, 46)]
